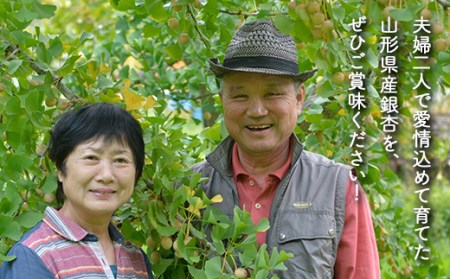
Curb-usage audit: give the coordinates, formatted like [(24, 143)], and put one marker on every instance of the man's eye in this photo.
[(90, 158), (273, 94), (238, 96)]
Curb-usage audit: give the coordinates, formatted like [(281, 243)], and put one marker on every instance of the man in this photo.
[(311, 202)]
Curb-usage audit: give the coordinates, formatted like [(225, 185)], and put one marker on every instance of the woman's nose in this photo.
[(105, 173)]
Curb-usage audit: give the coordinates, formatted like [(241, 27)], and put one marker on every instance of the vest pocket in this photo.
[(310, 237)]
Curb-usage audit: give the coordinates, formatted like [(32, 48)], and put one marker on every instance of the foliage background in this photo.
[(60, 54)]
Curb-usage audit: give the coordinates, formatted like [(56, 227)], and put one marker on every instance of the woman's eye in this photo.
[(122, 160)]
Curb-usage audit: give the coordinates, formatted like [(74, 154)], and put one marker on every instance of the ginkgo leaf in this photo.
[(149, 103), (216, 199), (132, 100)]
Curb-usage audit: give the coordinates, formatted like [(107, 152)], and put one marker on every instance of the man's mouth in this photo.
[(102, 192), (258, 127)]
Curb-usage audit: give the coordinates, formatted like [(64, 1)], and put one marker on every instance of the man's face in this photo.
[(260, 110)]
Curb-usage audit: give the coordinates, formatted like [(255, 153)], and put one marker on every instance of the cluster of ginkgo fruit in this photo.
[(173, 22), (314, 17)]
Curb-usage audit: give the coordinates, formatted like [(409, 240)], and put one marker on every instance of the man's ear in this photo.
[(300, 95)]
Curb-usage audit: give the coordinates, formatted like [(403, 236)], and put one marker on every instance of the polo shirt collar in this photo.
[(238, 169), (70, 230)]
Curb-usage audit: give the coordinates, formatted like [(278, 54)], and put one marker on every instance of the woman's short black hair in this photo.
[(91, 122)]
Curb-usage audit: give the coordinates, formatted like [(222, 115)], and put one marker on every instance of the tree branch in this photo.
[(56, 81), (213, 252), (205, 42)]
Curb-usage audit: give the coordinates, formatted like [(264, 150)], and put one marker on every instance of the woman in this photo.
[(99, 155)]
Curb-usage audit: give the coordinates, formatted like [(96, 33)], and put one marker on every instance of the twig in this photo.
[(56, 81), (209, 246), (189, 9)]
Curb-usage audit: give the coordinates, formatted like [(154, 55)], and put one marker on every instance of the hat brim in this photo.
[(219, 71)]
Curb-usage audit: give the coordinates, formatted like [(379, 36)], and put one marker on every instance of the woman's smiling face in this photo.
[(98, 178)]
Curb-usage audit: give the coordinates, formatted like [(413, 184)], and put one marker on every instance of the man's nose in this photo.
[(257, 108)]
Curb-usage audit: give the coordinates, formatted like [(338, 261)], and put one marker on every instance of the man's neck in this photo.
[(263, 164)]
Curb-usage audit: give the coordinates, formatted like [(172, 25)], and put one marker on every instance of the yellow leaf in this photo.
[(198, 203), (193, 210), (216, 199), (132, 100), (133, 63), (149, 103), (104, 69)]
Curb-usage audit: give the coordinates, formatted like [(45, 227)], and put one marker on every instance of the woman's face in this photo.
[(99, 177)]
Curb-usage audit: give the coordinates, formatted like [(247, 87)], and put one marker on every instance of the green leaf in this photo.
[(86, 36), (4, 258), (29, 219), (33, 101), (262, 225), (13, 106), (25, 15), (43, 11), (130, 233), (283, 23), (174, 51), (162, 266), (197, 273), (213, 268), (42, 54), (13, 66), (443, 58), (401, 15), (372, 58), (9, 228), (123, 5), (156, 11), (56, 47), (68, 66), (325, 90), (150, 31), (18, 163), (50, 184)]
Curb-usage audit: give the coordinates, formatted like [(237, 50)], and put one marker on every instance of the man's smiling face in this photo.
[(260, 110)]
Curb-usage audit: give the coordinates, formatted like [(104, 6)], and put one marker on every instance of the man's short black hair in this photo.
[(92, 122)]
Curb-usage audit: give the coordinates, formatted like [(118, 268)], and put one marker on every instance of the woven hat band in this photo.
[(262, 62)]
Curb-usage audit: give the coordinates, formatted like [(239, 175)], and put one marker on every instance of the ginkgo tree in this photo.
[(150, 57)]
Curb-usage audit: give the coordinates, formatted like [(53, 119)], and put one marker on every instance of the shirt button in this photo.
[(331, 232), (258, 206), (282, 236), (251, 183)]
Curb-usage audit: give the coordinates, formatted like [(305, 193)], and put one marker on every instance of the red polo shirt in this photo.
[(255, 199), (355, 259)]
